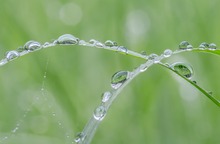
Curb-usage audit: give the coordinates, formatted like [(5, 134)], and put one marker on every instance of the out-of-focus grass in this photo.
[(156, 108)]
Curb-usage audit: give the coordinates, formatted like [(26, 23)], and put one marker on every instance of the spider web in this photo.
[(41, 120)]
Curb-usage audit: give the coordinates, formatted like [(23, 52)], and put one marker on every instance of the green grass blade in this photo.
[(213, 99)]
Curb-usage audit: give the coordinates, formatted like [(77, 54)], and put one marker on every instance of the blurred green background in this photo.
[(156, 108)]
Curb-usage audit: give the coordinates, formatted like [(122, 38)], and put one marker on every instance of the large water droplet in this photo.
[(67, 39), (32, 45), (99, 113), (106, 96), (183, 69), (212, 46), (204, 45), (118, 79), (79, 137), (12, 55), (183, 45), (167, 53), (110, 43)]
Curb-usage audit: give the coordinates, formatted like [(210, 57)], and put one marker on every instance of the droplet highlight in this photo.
[(67, 39), (183, 69), (183, 45), (118, 79), (99, 113), (32, 45), (11, 55)]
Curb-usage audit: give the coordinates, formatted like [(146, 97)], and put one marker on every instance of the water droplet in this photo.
[(210, 92), (67, 39), (99, 44), (183, 69), (12, 55), (152, 56), (122, 49), (204, 45), (212, 46), (195, 82), (118, 79), (167, 53), (79, 137), (183, 45), (46, 44), (106, 96), (32, 45), (144, 53), (92, 41), (167, 64), (82, 42), (20, 49), (99, 113), (110, 43), (189, 47), (143, 67)]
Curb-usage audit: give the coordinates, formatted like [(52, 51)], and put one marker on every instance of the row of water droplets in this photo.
[(66, 39), (119, 79), (185, 45)]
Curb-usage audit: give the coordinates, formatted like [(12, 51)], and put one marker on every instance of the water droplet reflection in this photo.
[(118, 79), (183, 69), (67, 39)]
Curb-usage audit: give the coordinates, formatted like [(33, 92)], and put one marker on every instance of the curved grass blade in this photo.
[(213, 99)]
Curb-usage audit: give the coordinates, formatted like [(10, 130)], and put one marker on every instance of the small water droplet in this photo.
[(189, 47), (144, 53), (210, 92), (99, 113), (152, 56), (15, 130), (122, 49), (118, 79), (212, 46), (183, 69), (183, 45), (12, 55), (79, 137), (106, 96), (67, 39), (195, 82), (82, 42), (167, 64), (110, 43), (20, 49), (92, 41), (99, 44), (46, 44), (167, 53), (32, 45), (204, 45), (143, 67)]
